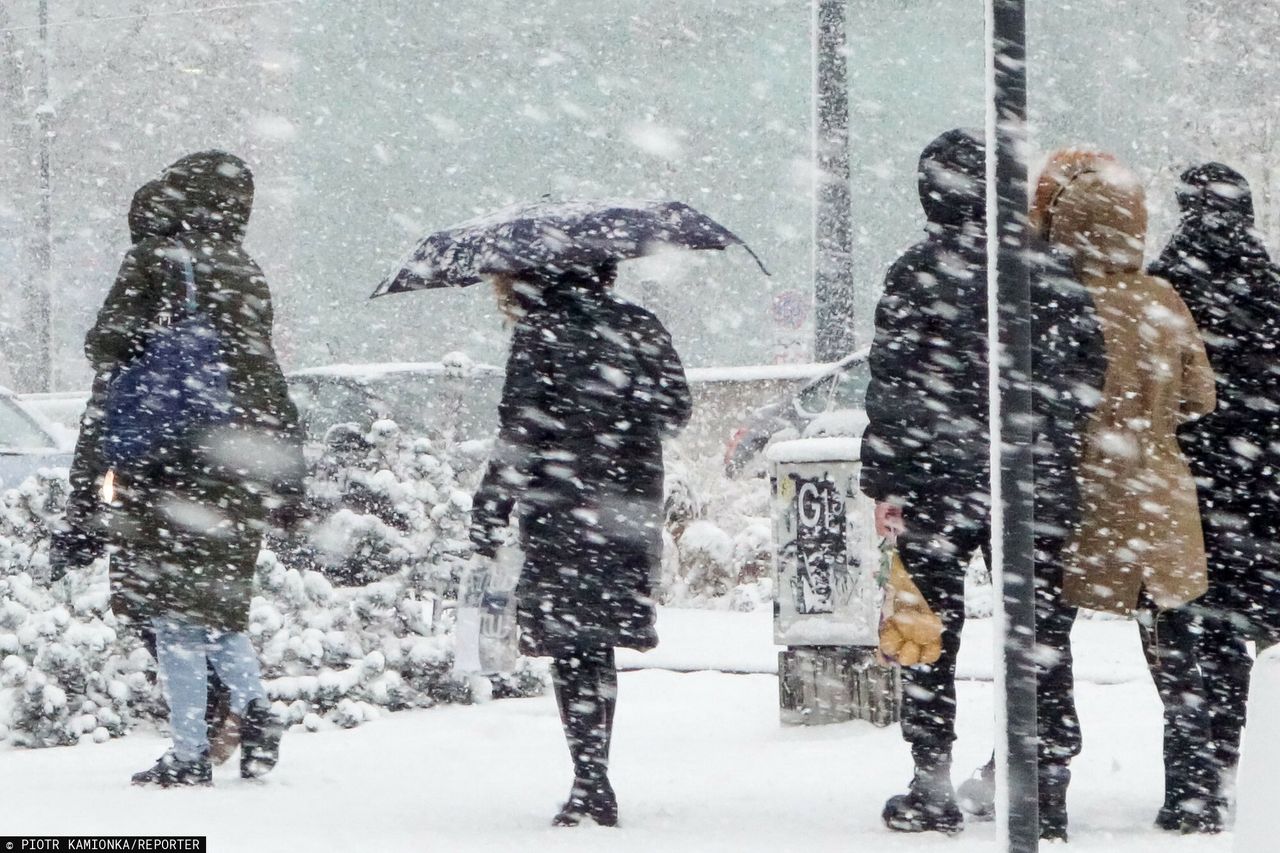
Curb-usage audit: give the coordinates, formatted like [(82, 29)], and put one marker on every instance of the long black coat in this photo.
[(188, 522), (593, 384), (926, 446), (1220, 268)]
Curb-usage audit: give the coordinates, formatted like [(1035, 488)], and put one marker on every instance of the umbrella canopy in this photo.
[(555, 234)]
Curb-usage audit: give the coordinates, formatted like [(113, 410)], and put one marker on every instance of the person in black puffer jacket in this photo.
[(593, 384), (1219, 266), (925, 455)]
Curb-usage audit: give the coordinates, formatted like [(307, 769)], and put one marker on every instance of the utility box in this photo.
[(826, 608)]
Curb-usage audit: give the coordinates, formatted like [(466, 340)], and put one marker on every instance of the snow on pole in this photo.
[(1012, 485), (832, 209)]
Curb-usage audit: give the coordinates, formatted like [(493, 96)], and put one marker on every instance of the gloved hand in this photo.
[(486, 538), (910, 632), (291, 514), (72, 549)]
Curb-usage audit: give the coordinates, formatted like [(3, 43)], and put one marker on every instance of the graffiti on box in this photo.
[(825, 563), (821, 577)]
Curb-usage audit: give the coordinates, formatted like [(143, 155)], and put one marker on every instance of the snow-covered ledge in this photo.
[(832, 449), (1258, 788)]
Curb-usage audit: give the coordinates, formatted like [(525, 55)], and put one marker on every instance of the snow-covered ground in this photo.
[(700, 764)]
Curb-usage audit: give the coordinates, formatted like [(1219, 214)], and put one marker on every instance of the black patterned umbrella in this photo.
[(555, 235)]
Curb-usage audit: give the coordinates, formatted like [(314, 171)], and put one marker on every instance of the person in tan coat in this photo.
[(1139, 549)]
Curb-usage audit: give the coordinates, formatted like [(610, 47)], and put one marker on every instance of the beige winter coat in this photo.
[(1140, 525)]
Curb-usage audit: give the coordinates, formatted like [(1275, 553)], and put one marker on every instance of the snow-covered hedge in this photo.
[(352, 618)]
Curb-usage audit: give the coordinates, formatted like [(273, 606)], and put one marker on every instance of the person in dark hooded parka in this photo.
[(190, 514), (153, 221), (593, 384), (1218, 264), (925, 461)]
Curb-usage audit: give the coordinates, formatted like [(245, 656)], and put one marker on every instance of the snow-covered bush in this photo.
[(351, 619), (26, 514), (65, 670), (718, 541)]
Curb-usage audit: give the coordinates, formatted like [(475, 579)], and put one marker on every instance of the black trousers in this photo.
[(1170, 639), (1225, 668), (586, 688), (936, 550)]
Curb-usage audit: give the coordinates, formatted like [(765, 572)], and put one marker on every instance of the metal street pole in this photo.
[(832, 214), (1009, 310), (39, 310)]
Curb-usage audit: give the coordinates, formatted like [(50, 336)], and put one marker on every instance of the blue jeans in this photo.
[(184, 652)]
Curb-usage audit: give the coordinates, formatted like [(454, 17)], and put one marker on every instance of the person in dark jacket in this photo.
[(1218, 264), (154, 219), (191, 513), (593, 384), (925, 460)]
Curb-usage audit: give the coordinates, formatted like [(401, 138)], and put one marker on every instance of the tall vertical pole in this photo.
[(833, 232), (1009, 312), (40, 311)]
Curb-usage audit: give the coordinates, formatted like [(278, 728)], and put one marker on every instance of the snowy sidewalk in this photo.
[(700, 764)]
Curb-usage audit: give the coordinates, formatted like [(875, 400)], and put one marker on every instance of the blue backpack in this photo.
[(176, 387)]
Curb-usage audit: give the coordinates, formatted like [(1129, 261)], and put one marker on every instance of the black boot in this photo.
[(589, 799), (1054, 779), (586, 687), (928, 806), (170, 772), (1191, 817), (260, 734)]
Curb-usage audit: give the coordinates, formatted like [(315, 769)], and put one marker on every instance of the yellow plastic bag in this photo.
[(910, 632)]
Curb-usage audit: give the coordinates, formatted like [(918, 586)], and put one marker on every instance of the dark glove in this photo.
[(490, 515), (485, 539), (291, 515), (72, 549)]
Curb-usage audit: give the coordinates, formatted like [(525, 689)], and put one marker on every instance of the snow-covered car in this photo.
[(832, 404), (27, 442), (454, 396)]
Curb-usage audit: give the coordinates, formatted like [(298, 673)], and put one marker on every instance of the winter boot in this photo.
[(1054, 779), (928, 806), (170, 772), (976, 795), (260, 734), (1190, 817), (589, 800)]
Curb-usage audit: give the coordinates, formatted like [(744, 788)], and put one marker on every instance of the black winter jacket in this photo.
[(1219, 266), (593, 383), (926, 446)]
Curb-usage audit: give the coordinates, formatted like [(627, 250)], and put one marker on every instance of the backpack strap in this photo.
[(180, 254)]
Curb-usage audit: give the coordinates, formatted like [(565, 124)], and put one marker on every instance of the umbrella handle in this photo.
[(755, 258)]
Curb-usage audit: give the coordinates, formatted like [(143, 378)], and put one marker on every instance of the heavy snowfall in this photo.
[(682, 424)]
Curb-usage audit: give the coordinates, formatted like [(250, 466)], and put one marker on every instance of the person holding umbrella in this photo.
[(593, 385)]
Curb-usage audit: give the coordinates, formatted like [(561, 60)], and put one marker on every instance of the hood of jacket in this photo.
[(952, 181), (215, 192), (1098, 217), (1217, 214), (153, 213)]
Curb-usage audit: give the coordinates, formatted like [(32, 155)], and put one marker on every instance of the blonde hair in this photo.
[(504, 288)]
